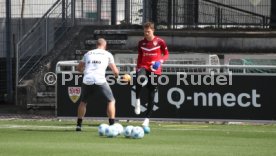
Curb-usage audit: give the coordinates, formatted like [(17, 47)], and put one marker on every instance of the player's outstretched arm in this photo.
[(114, 69), (80, 66)]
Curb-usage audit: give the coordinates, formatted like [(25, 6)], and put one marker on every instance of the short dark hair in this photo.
[(149, 25)]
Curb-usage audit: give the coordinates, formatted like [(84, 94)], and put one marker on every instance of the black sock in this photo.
[(111, 121), (79, 122)]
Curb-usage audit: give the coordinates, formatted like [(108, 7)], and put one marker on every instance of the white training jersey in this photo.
[(96, 62)]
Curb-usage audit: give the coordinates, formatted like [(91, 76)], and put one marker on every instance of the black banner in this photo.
[(181, 96)]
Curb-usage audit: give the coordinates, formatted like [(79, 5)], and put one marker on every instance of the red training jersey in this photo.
[(150, 51)]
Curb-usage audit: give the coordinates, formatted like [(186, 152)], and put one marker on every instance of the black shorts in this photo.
[(144, 76), (90, 90)]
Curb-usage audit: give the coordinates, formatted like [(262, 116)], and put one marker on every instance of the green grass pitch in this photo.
[(20, 137)]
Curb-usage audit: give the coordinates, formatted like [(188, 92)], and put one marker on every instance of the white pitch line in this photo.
[(215, 130), (40, 127)]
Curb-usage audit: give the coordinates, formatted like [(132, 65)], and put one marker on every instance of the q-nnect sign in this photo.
[(184, 96), (219, 97), (214, 99)]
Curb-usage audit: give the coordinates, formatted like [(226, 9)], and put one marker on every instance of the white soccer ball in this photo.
[(127, 131), (120, 128), (102, 128), (111, 131), (137, 132)]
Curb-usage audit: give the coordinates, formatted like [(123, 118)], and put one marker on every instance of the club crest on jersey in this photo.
[(74, 93), (155, 43)]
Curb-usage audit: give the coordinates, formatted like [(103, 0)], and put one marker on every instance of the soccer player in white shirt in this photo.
[(93, 65)]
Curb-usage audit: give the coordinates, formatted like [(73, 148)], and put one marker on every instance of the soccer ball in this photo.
[(137, 132), (127, 131), (126, 77), (102, 128), (146, 129), (120, 128), (111, 131)]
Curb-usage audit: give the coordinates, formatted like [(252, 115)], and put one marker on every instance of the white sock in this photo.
[(137, 107)]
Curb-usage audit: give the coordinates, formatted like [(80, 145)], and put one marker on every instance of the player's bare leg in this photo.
[(111, 110), (81, 114), (81, 110)]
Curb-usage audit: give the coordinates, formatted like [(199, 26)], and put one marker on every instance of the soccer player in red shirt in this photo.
[(152, 52)]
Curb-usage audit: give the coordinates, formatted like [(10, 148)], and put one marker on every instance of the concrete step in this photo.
[(44, 100), (109, 42), (36, 106), (45, 94)]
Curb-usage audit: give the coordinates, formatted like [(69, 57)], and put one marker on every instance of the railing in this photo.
[(177, 14), (41, 38), (227, 15), (70, 66)]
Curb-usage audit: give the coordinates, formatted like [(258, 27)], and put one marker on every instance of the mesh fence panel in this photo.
[(42, 38), (180, 14), (251, 60), (181, 59)]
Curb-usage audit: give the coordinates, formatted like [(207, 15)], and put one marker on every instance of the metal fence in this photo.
[(36, 25), (100, 12), (178, 14), (70, 66), (3, 86), (202, 63), (41, 38), (23, 15)]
